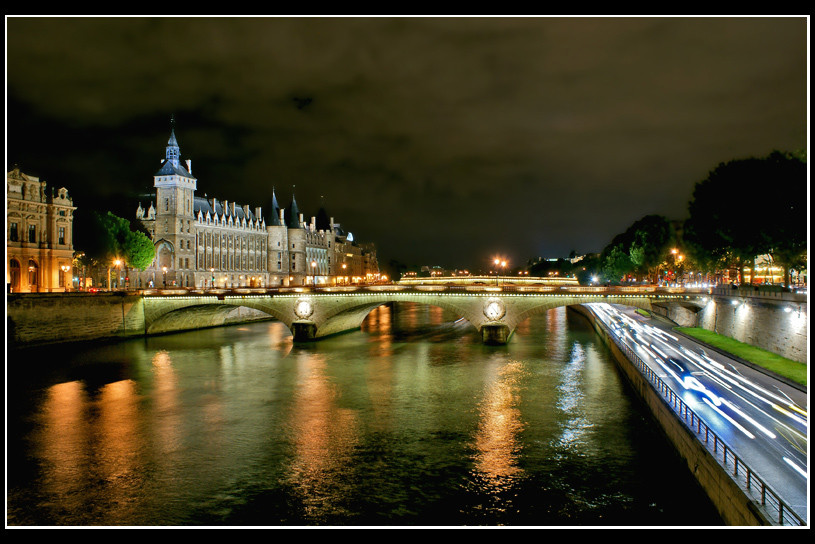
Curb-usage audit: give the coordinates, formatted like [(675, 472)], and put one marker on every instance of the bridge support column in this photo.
[(495, 334), (304, 331)]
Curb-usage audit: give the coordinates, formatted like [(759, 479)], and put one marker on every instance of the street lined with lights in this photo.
[(762, 420)]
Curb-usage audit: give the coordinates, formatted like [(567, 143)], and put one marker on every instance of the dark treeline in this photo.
[(743, 209)]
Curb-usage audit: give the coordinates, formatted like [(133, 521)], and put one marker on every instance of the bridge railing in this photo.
[(432, 288), (738, 469)]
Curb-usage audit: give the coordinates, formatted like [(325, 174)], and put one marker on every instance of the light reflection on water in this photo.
[(409, 421)]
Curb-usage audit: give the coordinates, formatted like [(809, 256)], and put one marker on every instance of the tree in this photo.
[(138, 250), (749, 207), (644, 244), (654, 236), (101, 239), (785, 222), (617, 263)]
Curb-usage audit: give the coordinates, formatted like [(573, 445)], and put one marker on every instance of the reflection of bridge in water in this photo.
[(495, 311)]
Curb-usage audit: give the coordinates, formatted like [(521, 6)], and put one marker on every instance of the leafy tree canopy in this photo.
[(106, 237), (750, 207)]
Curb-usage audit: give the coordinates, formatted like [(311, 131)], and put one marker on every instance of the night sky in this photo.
[(445, 141)]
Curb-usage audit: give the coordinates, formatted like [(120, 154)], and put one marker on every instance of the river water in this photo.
[(409, 421)]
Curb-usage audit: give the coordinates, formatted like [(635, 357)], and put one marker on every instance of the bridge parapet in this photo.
[(312, 313), (509, 288)]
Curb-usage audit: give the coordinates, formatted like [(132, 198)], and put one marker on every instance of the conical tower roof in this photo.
[(293, 215)]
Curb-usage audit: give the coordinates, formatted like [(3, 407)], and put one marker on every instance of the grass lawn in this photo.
[(791, 369)]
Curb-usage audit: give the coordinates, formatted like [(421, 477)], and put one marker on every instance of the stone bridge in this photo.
[(315, 313)]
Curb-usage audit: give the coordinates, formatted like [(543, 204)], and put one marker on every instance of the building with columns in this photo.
[(39, 235), (204, 242)]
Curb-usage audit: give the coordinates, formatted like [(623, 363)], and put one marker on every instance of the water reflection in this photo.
[(497, 440), (64, 438), (409, 421), (324, 435)]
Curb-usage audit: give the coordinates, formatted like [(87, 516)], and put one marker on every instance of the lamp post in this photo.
[(345, 278), (118, 263), (313, 273), (677, 259), (503, 264), (164, 277), (65, 268), (212, 273)]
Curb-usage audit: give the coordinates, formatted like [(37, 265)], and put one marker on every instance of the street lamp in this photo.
[(503, 264), (212, 272), (314, 273), (164, 277), (345, 278), (65, 268)]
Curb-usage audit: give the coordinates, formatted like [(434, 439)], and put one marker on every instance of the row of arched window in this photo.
[(15, 273)]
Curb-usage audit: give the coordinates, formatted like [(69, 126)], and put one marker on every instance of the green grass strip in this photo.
[(780, 365)]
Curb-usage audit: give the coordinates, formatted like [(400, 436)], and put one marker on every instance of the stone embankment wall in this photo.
[(773, 321), (50, 317), (67, 317), (734, 506)]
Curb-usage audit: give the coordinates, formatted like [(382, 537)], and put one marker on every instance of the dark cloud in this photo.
[(442, 140)]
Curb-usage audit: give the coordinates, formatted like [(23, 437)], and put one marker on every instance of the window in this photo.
[(32, 233), (166, 204), (62, 236), (12, 235)]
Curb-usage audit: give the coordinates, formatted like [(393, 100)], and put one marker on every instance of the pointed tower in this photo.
[(277, 245), (175, 218), (275, 220), (296, 244), (293, 214)]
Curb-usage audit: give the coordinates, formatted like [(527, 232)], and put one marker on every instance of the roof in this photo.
[(293, 214), (168, 169), (214, 207)]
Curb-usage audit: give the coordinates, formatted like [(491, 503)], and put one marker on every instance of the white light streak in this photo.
[(748, 418), (796, 467), (728, 418)]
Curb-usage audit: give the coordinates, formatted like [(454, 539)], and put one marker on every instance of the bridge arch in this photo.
[(194, 317), (552, 303), (315, 314)]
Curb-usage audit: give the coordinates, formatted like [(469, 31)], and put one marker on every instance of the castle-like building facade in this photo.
[(39, 235), (208, 243)]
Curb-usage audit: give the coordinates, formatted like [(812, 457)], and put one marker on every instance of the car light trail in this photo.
[(728, 418), (748, 418), (796, 467)]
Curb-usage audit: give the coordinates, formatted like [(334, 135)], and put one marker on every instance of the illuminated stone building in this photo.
[(205, 242), (39, 235)]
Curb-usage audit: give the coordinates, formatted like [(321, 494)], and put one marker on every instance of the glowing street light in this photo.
[(314, 273), (502, 264), (65, 268)]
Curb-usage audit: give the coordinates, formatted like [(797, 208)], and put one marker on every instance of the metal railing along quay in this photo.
[(741, 473)]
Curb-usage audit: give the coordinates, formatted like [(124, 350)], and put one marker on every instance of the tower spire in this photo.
[(173, 152)]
